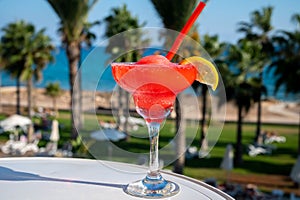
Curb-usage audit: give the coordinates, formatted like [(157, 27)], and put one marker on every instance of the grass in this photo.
[(279, 162)]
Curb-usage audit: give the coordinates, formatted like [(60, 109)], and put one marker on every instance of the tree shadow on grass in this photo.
[(264, 167), (213, 162), (284, 150)]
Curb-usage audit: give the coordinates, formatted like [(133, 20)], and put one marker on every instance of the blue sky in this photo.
[(219, 16)]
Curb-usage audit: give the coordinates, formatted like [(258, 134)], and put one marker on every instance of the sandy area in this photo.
[(40, 99), (273, 111)]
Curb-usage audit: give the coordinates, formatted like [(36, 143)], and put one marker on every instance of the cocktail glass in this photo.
[(154, 87)]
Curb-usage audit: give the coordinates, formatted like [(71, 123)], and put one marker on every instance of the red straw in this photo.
[(185, 30)]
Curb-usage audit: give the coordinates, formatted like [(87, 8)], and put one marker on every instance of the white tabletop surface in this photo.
[(39, 178)]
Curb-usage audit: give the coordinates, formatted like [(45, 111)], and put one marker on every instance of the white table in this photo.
[(71, 179)]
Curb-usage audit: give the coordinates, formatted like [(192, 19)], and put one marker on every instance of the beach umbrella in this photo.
[(10, 123), (227, 162), (54, 137), (295, 173), (108, 134)]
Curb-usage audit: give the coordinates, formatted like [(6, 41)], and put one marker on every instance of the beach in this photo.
[(40, 99), (273, 111)]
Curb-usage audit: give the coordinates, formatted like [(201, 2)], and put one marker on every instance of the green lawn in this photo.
[(279, 162)]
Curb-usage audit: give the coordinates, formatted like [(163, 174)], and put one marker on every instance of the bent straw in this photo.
[(185, 29)]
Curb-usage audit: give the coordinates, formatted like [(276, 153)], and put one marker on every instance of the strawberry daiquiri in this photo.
[(154, 82)]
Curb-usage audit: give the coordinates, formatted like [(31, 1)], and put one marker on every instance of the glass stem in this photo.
[(153, 129)]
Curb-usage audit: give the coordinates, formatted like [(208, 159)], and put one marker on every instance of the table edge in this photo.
[(193, 180)]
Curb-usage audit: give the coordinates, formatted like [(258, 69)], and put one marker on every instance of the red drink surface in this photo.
[(154, 84)]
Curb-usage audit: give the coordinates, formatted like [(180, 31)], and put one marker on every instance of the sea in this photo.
[(96, 74)]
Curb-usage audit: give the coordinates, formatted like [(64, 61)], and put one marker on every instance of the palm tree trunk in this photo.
[(299, 135), (203, 121), (29, 98), (79, 79), (126, 112), (123, 109), (258, 123), (120, 107), (180, 141), (73, 54), (238, 158), (18, 106), (1, 109)]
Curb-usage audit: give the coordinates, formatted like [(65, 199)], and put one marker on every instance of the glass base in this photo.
[(152, 188)]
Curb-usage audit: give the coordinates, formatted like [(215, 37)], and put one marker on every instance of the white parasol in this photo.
[(295, 173), (10, 123), (108, 134), (227, 162), (54, 137)]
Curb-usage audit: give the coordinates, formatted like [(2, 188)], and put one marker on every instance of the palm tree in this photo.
[(53, 90), (1, 63), (11, 63), (215, 49), (241, 87), (73, 16), (258, 31), (287, 58), (287, 62), (174, 14), (25, 53), (118, 21), (41, 55)]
